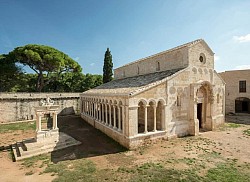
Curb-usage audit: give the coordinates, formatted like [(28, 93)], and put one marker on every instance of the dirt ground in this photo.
[(230, 142)]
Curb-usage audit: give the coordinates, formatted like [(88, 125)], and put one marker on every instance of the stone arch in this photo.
[(115, 115), (160, 115), (242, 105), (141, 116), (158, 66), (150, 115), (120, 125), (162, 100), (203, 107)]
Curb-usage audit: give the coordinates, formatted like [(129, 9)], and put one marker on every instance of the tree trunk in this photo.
[(39, 83)]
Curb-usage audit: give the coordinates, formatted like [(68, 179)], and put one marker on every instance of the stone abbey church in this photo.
[(173, 93)]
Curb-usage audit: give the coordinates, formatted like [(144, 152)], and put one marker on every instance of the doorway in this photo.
[(199, 114), (242, 105)]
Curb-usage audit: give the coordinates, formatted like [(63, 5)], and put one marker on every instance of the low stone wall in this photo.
[(20, 106)]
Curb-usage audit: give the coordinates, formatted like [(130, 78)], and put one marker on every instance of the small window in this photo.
[(242, 86), (123, 73), (138, 70), (218, 98), (158, 66), (202, 58), (178, 100)]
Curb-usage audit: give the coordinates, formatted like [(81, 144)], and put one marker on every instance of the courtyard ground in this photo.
[(222, 155)]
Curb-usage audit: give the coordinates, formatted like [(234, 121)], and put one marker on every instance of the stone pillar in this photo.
[(103, 105), (123, 118), (94, 110), (114, 111), (110, 108), (154, 107), (38, 122), (98, 111), (106, 114), (131, 125), (119, 118), (146, 119), (90, 108), (55, 121)]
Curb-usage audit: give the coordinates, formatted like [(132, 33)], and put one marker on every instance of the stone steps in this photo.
[(29, 148)]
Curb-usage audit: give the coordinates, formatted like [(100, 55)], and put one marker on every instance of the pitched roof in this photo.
[(132, 85), (189, 44)]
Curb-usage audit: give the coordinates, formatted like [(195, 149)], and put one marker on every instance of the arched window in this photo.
[(141, 117), (218, 98), (178, 100), (158, 66), (159, 116)]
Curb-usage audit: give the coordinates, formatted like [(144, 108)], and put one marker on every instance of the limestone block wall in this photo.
[(232, 79), (159, 62), (20, 106), (196, 51)]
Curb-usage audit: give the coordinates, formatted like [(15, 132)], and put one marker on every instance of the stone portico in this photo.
[(171, 94)]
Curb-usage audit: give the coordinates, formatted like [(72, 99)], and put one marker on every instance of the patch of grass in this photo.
[(225, 172), (30, 162), (247, 132), (29, 173), (80, 170), (4, 128), (233, 125), (188, 161), (156, 172)]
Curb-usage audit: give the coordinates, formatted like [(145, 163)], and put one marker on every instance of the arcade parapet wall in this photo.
[(20, 106)]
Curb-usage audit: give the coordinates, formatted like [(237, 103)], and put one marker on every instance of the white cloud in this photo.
[(242, 67), (77, 58), (244, 38), (216, 58), (92, 64)]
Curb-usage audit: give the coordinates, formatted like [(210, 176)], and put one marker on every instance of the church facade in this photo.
[(174, 93)]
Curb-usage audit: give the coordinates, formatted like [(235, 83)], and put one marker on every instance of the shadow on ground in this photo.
[(238, 119), (93, 141)]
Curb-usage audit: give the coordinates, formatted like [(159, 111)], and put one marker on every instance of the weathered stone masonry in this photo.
[(170, 94), (20, 106)]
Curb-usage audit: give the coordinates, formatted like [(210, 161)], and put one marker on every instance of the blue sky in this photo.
[(132, 29)]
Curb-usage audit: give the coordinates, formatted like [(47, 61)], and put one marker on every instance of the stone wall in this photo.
[(20, 106), (232, 79), (163, 61)]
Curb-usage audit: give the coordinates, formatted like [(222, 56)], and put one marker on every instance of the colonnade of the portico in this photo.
[(108, 112)]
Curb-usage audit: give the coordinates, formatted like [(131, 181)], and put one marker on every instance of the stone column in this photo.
[(85, 108), (38, 122), (106, 114), (90, 108), (55, 120), (119, 118), (154, 106), (97, 111), (103, 105), (146, 119), (114, 111), (123, 119), (100, 112), (110, 108), (94, 110)]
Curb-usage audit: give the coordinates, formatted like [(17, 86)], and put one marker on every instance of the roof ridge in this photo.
[(189, 44)]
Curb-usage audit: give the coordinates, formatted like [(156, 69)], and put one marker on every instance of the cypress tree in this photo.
[(107, 67)]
